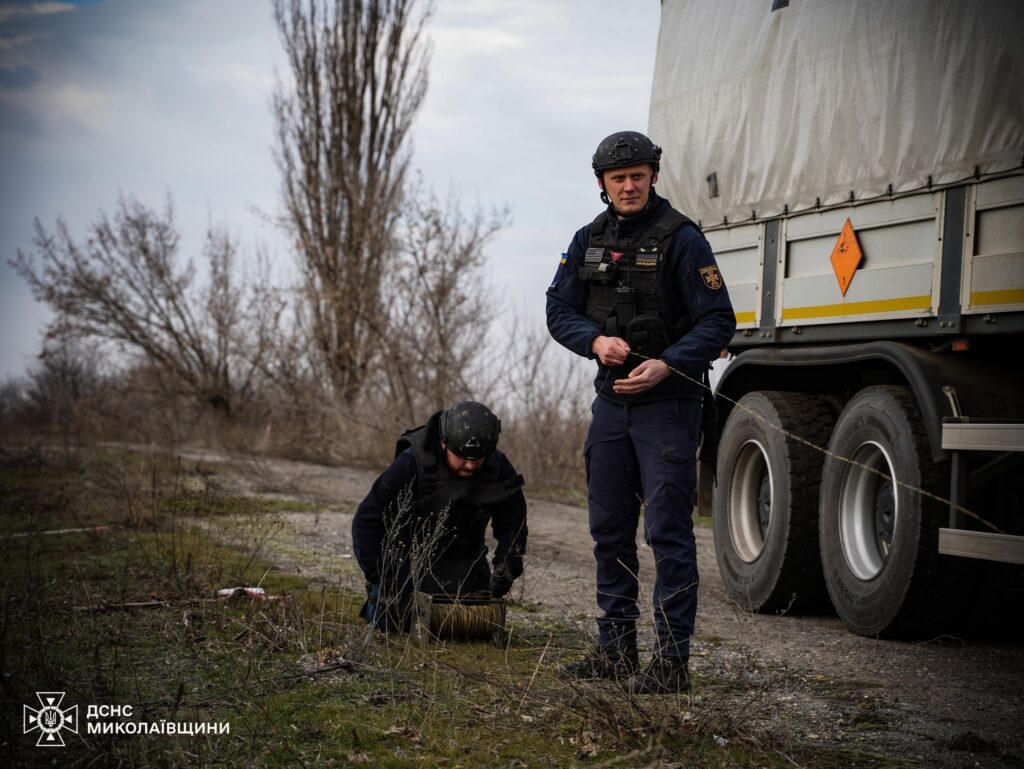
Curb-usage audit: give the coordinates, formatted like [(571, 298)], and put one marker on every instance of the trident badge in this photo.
[(50, 719)]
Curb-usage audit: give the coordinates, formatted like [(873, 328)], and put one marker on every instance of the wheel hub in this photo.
[(885, 517), (868, 510), (764, 502), (750, 501)]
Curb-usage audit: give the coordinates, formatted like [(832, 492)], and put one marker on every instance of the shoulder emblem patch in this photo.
[(558, 272), (711, 276)]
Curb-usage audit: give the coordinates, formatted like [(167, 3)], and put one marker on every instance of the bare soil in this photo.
[(946, 702)]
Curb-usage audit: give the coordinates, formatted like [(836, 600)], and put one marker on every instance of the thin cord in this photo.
[(828, 453)]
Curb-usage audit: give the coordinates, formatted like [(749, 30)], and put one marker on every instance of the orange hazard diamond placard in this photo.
[(846, 256)]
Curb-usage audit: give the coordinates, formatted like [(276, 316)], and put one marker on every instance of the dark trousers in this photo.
[(645, 452)]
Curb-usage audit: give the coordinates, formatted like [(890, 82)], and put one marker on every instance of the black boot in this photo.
[(664, 675), (604, 662)]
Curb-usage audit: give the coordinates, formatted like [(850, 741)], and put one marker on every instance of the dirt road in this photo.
[(946, 703)]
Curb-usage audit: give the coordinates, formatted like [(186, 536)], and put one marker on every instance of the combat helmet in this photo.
[(625, 148), (469, 430)]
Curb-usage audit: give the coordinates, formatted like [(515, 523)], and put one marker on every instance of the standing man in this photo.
[(639, 290), (422, 525)]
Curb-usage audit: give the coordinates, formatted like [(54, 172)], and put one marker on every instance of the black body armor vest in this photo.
[(456, 556), (621, 274)]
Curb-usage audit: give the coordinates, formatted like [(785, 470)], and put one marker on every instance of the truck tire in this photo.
[(765, 508), (879, 539)]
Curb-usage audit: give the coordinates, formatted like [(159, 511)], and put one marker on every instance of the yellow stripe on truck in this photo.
[(1006, 296), (745, 317), (858, 308)]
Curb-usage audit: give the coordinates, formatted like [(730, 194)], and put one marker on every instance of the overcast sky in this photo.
[(104, 97)]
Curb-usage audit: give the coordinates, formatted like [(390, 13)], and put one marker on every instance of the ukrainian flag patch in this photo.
[(558, 273)]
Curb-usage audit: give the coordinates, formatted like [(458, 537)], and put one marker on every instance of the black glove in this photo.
[(501, 580)]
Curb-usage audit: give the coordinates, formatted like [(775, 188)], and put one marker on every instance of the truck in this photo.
[(858, 169)]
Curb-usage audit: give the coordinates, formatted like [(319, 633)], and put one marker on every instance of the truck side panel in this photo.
[(900, 277), (993, 278)]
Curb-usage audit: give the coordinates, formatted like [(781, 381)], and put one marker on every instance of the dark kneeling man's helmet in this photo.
[(469, 430)]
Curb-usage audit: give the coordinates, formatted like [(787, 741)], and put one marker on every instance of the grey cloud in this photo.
[(18, 78), (21, 8)]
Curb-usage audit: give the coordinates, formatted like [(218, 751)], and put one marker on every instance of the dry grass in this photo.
[(302, 681)]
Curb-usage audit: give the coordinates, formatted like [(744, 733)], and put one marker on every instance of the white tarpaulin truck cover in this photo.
[(802, 105)]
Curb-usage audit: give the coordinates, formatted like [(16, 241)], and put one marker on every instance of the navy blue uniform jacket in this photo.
[(706, 310)]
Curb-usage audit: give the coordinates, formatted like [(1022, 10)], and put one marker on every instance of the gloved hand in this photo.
[(501, 580)]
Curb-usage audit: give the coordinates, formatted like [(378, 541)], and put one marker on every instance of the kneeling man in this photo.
[(422, 526)]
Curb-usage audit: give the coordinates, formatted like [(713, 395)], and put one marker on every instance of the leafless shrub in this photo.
[(124, 285), (441, 312), (411, 545), (56, 397)]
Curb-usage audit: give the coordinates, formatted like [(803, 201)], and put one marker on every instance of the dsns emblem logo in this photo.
[(50, 719)]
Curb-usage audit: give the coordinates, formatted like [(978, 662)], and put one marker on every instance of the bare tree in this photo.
[(124, 285), (441, 310), (13, 401), (61, 387), (359, 71)]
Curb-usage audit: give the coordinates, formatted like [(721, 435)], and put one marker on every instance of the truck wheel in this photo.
[(765, 509), (879, 535)]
